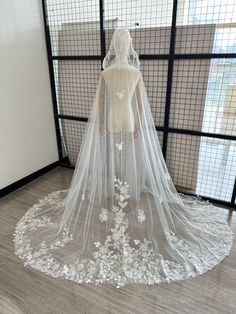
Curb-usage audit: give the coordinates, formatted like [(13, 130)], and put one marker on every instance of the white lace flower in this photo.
[(115, 208), (103, 216), (117, 234), (120, 93), (119, 217), (124, 190), (119, 145), (103, 250), (97, 244), (141, 216)]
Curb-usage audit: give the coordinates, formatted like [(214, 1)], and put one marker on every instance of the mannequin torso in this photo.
[(121, 83)]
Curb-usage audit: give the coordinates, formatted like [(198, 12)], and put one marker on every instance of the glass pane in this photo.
[(155, 79), (72, 136), (76, 83), (149, 23), (74, 27), (202, 165), (206, 26), (204, 96)]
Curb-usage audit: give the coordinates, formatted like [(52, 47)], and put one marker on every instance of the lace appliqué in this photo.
[(104, 215), (141, 215), (120, 94), (119, 145), (120, 259)]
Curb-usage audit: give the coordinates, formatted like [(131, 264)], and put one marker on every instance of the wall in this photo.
[(27, 131)]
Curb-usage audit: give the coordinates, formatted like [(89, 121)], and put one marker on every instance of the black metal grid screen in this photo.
[(188, 60)]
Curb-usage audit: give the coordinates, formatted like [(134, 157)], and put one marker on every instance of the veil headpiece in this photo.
[(121, 47)]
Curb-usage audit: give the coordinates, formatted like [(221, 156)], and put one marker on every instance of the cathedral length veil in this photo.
[(121, 220)]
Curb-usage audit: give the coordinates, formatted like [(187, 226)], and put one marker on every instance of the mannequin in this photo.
[(121, 85), (123, 82)]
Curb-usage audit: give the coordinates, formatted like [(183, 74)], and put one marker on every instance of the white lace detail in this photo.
[(119, 145), (141, 215), (120, 94), (65, 238), (103, 216), (120, 259)]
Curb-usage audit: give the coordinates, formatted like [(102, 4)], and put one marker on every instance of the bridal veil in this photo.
[(122, 219)]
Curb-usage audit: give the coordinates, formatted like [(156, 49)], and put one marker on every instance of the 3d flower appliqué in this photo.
[(97, 244), (141, 215), (120, 94), (119, 145), (104, 215)]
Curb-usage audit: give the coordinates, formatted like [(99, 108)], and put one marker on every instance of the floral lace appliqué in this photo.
[(119, 145), (119, 258), (120, 94), (141, 215), (103, 216)]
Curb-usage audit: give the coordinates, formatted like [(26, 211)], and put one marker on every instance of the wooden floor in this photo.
[(24, 290)]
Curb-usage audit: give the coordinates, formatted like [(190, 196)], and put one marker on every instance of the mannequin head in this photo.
[(122, 41), (121, 51)]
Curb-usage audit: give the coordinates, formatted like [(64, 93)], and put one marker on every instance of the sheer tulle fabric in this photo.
[(121, 220)]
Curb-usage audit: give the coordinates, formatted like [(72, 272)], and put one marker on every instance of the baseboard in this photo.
[(16, 185)]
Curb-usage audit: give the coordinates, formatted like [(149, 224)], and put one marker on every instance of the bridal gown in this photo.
[(121, 220)]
